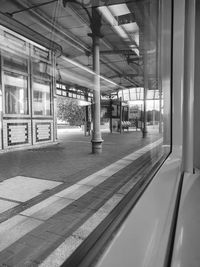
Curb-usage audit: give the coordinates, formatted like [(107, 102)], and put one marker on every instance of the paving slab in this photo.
[(6, 205), (21, 188), (80, 188)]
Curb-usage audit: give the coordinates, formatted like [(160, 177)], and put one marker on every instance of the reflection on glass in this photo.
[(41, 53), (15, 41), (138, 29), (14, 62), (41, 69), (136, 103), (16, 93), (41, 98)]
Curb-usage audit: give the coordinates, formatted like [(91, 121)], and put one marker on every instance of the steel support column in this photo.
[(96, 36), (144, 129), (96, 136), (145, 77)]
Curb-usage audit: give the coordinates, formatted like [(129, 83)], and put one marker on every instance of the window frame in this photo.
[(40, 78), (26, 89), (50, 101), (26, 74)]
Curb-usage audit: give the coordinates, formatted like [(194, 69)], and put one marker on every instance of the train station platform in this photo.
[(53, 197)]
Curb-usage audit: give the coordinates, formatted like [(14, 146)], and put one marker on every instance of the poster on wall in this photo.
[(115, 111), (134, 112)]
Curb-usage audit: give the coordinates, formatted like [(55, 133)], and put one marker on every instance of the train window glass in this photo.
[(131, 48), (137, 91), (41, 98), (16, 93)]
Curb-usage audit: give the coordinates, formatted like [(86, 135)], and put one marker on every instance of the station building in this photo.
[(27, 92)]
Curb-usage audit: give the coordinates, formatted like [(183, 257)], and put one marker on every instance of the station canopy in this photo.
[(65, 25)]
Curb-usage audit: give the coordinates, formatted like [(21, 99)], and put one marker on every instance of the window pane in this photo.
[(15, 63), (41, 53), (14, 40), (41, 69), (41, 98), (10, 42), (16, 93)]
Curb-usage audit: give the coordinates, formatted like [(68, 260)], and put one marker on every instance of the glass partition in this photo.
[(16, 93), (41, 98), (41, 69), (14, 62)]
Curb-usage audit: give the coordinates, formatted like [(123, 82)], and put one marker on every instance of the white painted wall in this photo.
[(197, 91)]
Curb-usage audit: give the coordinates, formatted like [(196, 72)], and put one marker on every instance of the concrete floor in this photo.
[(58, 194)]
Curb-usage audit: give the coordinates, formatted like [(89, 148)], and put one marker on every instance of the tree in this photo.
[(68, 110)]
